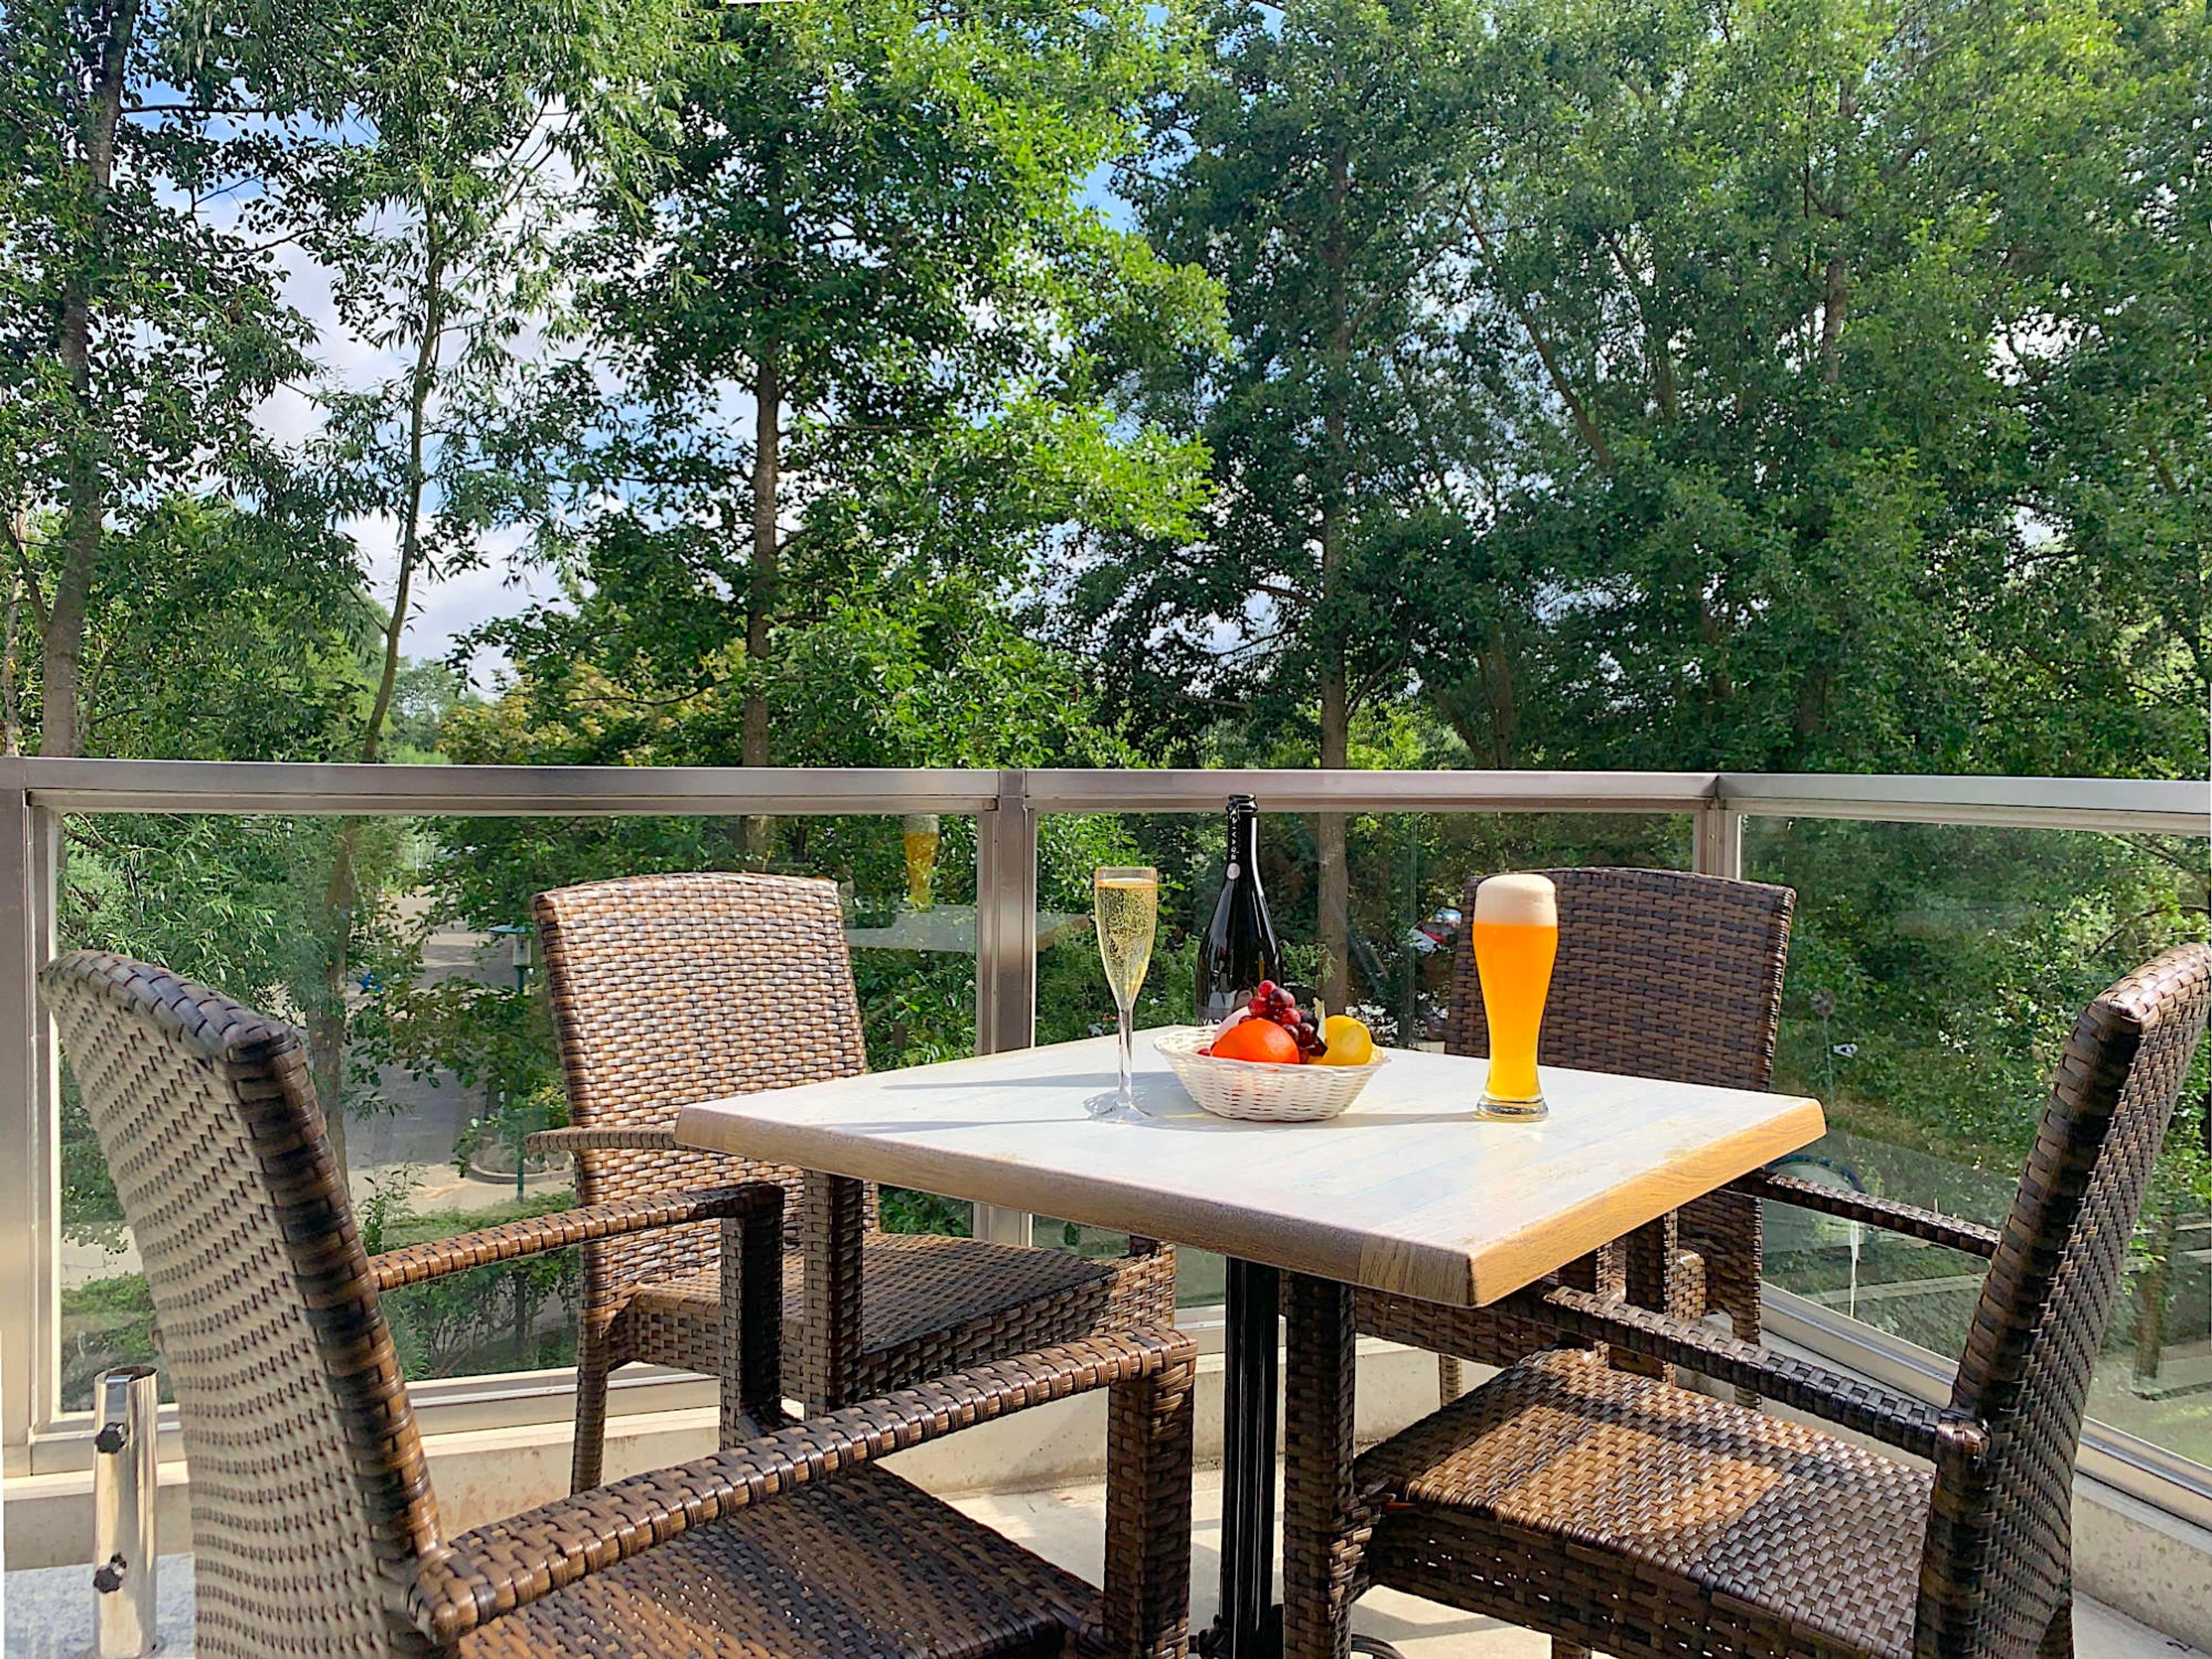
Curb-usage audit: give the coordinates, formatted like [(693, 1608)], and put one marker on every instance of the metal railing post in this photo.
[(1717, 842), (124, 1491), (1006, 952), (27, 878)]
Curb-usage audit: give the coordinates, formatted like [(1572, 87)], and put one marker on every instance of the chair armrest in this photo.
[(610, 1139), (495, 1569), (418, 1263), (1910, 1425), (1907, 1218)]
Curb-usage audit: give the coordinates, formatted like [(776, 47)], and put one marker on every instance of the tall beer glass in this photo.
[(1516, 938)]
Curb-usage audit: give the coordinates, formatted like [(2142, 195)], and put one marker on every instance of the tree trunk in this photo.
[(421, 381), (1498, 692), (760, 598), (1835, 302), (85, 494), (1335, 874), (326, 1034), (11, 713), (1335, 878), (327, 1027)]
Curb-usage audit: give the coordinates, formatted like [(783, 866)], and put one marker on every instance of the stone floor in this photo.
[(50, 1612)]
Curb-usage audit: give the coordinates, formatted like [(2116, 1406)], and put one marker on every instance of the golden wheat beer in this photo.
[(919, 831), (1516, 938)]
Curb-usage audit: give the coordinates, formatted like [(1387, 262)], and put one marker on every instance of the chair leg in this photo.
[(1649, 1255), (751, 1371), (1562, 1649), (1451, 1382), (832, 1223), (1148, 1456), (585, 1463), (1322, 1538)]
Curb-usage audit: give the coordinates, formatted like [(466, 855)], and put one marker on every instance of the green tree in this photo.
[(869, 234), (1852, 355), (1317, 167), (435, 230), (141, 321)]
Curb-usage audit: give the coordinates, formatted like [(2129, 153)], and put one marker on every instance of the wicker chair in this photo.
[(1621, 1514), (671, 989), (315, 1529), (1660, 974)]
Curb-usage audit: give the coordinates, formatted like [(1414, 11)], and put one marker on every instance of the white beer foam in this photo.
[(1517, 901)]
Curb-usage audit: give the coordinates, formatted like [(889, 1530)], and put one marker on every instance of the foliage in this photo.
[(1818, 385), (511, 1315), (930, 314), (141, 321)]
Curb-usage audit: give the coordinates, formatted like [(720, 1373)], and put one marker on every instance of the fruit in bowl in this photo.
[(1273, 1030), (1261, 1040), (1347, 1042)]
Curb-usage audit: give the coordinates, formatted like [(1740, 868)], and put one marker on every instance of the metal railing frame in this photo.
[(35, 1435)]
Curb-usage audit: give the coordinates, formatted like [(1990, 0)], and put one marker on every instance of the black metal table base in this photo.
[(1250, 1625)]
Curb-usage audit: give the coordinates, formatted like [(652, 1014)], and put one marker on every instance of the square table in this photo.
[(1407, 1192)]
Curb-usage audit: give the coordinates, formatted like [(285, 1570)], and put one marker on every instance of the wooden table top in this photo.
[(1406, 1192)]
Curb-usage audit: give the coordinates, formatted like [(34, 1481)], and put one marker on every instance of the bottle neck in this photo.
[(1243, 843)]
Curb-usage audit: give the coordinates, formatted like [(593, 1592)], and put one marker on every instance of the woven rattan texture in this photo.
[(1660, 974), (811, 1577), (315, 1527), (911, 1279), (1998, 1558), (1635, 1517), (554, 1553), (306, 1470), (671, 989), (1621, 1513)]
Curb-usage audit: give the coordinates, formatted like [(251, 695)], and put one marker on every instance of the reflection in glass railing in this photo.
[(402, 948), (1935, 972)]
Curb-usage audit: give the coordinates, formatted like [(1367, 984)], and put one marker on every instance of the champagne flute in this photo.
[(1125, 906)]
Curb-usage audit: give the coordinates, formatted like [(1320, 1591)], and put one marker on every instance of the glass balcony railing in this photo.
[(1947, 932)]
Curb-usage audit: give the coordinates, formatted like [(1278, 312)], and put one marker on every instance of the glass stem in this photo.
[(1127, 1098)]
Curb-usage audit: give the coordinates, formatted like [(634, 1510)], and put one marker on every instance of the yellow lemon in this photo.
[(1350, 1044)]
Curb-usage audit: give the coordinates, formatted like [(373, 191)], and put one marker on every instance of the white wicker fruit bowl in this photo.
[(1256, 1092)]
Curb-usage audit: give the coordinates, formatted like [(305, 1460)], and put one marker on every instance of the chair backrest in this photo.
[(1660, 974), (675, 988), (2000, 1540), (306, 1474)]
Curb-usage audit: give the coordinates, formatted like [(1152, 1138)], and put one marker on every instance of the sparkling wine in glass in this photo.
[(1125, 905)]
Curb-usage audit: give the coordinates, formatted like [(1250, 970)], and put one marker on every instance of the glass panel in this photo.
[(1935, 972), (1407, 872), (425, 1015)]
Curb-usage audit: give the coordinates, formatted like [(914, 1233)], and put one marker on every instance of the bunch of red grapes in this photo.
[(1272, 1001)]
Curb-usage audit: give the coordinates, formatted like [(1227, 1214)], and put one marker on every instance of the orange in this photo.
[(1257, 1039)]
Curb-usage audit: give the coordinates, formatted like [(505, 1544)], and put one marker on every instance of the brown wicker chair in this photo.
[(676, 988), (1660, 974), (1618, 1513), (315, 1529)]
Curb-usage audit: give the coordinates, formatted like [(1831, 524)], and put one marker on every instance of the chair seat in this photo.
[(863, 1566), (928, 1304), (1740, 1532)]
